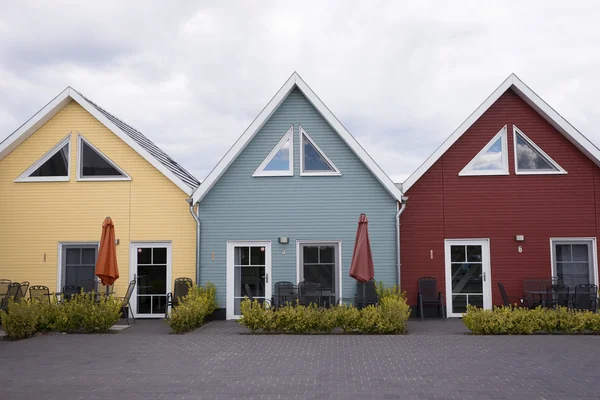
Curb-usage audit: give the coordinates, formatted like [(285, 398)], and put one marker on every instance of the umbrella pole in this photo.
[(364, 295)]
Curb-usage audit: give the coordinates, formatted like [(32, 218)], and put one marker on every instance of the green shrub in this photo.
[(522, 321), (80, 315), (193, 309), (389, 316), (19, 320)]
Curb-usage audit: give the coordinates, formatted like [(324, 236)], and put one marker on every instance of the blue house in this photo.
[(283, 204)]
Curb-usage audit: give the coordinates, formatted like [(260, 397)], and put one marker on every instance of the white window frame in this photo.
[(59, 271), (338, 243), (302, 134), (559, 169), (260, 171), (24, 177), (467, 171), (79, 177), (591, 241)]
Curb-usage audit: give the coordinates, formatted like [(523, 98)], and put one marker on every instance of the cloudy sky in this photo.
[(400, 75)]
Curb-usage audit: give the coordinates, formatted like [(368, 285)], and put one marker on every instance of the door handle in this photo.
[(484, 276), (266, 276)]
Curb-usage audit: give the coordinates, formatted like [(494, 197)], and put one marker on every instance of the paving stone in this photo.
[(437, 360)]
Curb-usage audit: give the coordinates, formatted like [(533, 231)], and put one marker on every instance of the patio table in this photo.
[(540, 293)]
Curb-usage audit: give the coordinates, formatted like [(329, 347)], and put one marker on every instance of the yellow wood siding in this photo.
[(36, 216)]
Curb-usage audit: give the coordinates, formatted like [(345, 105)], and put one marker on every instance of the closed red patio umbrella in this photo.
[(107, 269), (362, 268)]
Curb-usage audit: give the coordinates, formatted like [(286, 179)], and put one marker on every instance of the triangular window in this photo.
[(280, 161), (492, 159), (313, 160), (53, 166), (93, 165), (530, 159)]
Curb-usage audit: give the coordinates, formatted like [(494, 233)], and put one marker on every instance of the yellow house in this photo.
[(66, 169)]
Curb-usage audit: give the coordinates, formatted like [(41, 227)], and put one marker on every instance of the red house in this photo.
[(512, 194)]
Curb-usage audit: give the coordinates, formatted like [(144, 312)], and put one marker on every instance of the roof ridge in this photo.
[(145, 142)]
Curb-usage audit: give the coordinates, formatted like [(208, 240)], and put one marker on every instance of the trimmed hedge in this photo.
[(388, 317), (193, 309), (523, 321), (82, 314)]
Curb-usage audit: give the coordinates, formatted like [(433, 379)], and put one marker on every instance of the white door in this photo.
[(150, 264), (248, 273), (468, 278)]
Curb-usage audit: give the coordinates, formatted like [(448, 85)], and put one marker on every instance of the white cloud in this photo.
[(401, 76)]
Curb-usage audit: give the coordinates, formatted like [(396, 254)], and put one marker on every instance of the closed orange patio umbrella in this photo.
[(107, 269)]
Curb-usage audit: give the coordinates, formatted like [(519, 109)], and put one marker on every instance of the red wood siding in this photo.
[(443, 205)]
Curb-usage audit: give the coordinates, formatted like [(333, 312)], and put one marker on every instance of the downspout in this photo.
[(197, 219), (400, 211)]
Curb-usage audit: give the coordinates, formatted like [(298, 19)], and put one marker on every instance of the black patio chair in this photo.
[(532, 292), (285, 293), (507, 300), (557, 296), (181, 288), (70, 291), (14, 289), (125, 305), (366, 294), (586, 297), (24, 287), (251, 296), (40, 293), (309, 292), (4, 286), (428, 295)]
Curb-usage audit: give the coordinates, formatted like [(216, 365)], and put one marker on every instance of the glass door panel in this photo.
[(152, 276), (467, 268), (250, 278)]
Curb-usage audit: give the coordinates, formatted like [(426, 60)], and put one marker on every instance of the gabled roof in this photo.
[(134, 138), (535, 102), (295, 81)]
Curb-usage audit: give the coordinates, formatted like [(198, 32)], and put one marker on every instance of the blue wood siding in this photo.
[(242, 207)]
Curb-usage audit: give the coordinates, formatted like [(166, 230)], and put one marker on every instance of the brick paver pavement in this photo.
[(436, 361)]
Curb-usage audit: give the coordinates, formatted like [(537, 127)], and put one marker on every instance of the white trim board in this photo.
[(302, 134), (533, 100), (260, 171), (57, 104), (294, 81), (123, 177), (24, 177)]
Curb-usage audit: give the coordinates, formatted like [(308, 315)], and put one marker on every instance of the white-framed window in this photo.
[(574, 261), (77, 265), (492, 159), (54, 166), (320, 262), (531, 159), (93, 165), (313, 161), (280, 161)]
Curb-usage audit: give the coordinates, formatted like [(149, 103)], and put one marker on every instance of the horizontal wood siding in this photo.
[(443, 205), (242, 207), (36, 216)]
